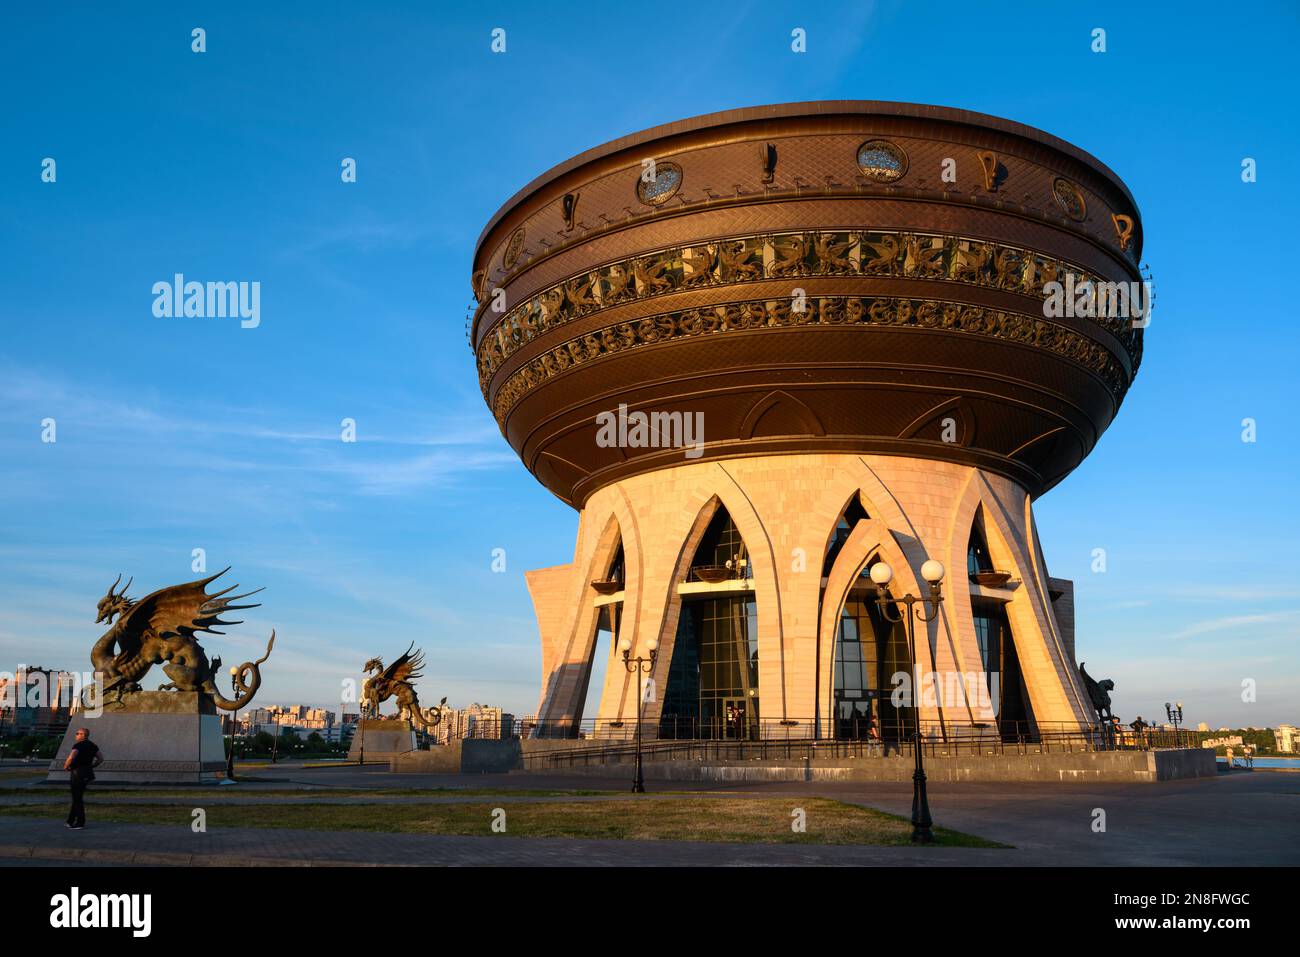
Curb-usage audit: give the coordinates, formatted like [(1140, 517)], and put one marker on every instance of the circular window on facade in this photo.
[(657, 190), (1069, 198), (882, 161), (511, 255)]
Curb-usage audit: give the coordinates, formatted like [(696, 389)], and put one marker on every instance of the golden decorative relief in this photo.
[(1070, 198), (819, 311), (767, 156), (478, 282), (880, 161), (513, 248), (989, 164), (569, 210), (1123, 230), (725, 262)]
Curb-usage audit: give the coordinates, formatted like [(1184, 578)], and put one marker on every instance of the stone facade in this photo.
[(786, 507)]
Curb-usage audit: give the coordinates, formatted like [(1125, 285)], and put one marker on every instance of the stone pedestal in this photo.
[(152, 737), (383, 739)]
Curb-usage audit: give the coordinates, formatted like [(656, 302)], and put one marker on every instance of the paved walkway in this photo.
[(1242, 818)]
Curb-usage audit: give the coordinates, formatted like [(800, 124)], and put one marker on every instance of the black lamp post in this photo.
[(230, 754), (640, 666), (1175, 715), (882, 575)]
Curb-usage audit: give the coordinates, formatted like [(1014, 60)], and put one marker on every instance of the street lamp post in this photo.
[(1175, 715), (882, 575), (230, 754), (639, 666)]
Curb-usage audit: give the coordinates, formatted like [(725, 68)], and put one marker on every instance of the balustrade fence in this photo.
[(693, 739)]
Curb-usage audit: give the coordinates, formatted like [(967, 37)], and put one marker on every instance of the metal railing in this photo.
[(693, 740), (716, 574)]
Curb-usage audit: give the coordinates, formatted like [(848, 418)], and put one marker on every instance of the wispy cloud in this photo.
[(1233, 622), (450, 446)]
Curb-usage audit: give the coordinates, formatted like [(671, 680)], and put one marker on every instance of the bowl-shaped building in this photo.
[(761, 351)]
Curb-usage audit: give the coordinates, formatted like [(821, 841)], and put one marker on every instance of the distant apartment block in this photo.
[(37, 700), (476, 721), (1287, 737)]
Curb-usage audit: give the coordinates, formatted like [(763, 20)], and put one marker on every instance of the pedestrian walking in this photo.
[(80, 764)]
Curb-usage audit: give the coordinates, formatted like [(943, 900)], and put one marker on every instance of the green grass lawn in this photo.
[(220, 792), (738, 820)]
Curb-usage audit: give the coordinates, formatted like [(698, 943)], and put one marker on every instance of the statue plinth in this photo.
[(382, 739), (151, 737)]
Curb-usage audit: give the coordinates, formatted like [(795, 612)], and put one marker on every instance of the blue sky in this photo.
[(177, 434)]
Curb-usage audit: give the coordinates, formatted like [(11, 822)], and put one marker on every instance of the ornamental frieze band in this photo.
[(819, 311), (729, 261)]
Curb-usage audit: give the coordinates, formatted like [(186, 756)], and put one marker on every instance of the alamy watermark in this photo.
[(212, 300), (945, 689), (1098, 300), (651, 430), (75, 909), (39, 688)]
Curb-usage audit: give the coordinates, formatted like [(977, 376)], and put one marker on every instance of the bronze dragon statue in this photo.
[(161, 628), (1099, 693), (395, 681)]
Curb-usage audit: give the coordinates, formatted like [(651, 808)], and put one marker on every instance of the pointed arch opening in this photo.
[(870, 651), (712, 685), (600, 662), (617, 573), (977, 548), (721, 554), (853, 513), (999, 660)]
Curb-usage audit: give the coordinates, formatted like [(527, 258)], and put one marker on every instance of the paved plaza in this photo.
[(1238, 818)]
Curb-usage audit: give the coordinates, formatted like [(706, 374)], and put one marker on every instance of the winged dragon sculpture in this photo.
[(162, 629), (1099, 693), (395, 681)]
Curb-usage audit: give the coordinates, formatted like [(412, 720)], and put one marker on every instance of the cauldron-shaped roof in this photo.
[(834, 276)]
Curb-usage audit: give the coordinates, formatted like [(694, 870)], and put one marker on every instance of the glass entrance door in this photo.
[(870, 659), (739, 718)]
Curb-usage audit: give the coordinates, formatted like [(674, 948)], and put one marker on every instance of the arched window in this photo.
[(608, 619), (977, 550), (712, 688), (853, 513), (616, 570), (869, 652), (1008, 696), (1006, 683), (721, 553)]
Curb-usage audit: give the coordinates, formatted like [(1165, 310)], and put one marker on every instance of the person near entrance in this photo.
[(1139, 726), (873, 733), (80, 764)]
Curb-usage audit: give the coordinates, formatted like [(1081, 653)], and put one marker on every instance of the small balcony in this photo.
[(734, 576), (991, 578)]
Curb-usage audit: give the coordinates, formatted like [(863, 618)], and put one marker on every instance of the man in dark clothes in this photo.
[(81, 762)]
